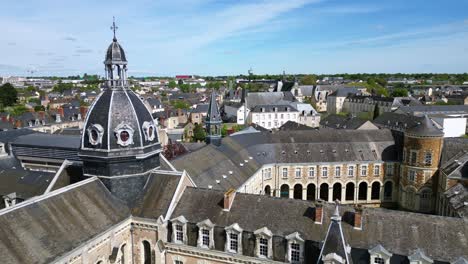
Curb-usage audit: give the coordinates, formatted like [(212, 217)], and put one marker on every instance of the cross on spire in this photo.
[(114, 27)]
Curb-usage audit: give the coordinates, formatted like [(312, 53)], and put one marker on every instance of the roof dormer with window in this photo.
[(179, 230), (233, 239), (264, 248), (205, 234)]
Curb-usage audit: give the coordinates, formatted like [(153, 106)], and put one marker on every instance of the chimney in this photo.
[(229, 199), (318, 212), (18, 124), (60, 111), (41, 115), (83, 111), (358, 217)]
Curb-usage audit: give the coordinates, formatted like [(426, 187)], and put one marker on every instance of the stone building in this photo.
[(123, 202)]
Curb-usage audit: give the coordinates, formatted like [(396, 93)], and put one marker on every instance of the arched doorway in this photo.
[(337, 191), (350, 191), (268, 190), (284, 191), (375, 191), (146, 252), (298, 191), (362, 195), (388, 190), (324, 192), (311, 192)]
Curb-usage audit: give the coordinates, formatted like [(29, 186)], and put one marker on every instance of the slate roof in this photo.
[(48, 141), (213, 114), (441, 238), (342, 122), (280, 106), (291, 125), (434, 109), (457, 166), (40, 231), (452, 147), (344, 92), (396, 121), (457, 197), (425, 128), (156, 197), (264, 98), (200, 108), (207, 165)]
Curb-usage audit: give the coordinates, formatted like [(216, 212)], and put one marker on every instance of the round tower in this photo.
[(421, 155), (119, 143)]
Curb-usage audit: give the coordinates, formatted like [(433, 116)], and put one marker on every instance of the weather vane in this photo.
[(114, 27)]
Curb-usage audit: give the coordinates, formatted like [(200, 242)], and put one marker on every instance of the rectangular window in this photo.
[(378, 260), (298, 172), (233, 243), (267, 173), (179, 233), (337, 171), (411, 175), (363, 170), (413, 157), (206, 237), (350, 170), (178, 262), (295, 252), (324, 171), (311, 171), (376, 170), (282, 116), (263, 249), (389, 171), (428, 159), (285, 173)]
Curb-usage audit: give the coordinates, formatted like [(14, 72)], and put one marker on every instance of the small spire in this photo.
[(336, 213), (114, 27)]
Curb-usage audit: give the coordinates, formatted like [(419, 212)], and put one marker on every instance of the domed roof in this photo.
[(115, 53), (426, 128), (119, 124)]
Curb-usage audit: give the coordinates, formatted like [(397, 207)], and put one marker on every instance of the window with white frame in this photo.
[(285, 173), (205, 234), (324, 171), (389, 171), (205, 237), (350, 170), (337, 171), (363, 170), (298, 172), (234, 239), (411, 175), (179, 229), (178, 262), (267, 173), (233, 242), (295, 252), (311, 171), (428, 159), (378, 260), (376, 170), (263, 247)]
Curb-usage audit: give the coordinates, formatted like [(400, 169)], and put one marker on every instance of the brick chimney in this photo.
[(18, 124), (358, 217), (228, 199), (60, 111), (318, 212), (83, 111)]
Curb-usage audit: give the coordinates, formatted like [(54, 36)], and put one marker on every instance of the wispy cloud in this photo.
[(69, 38)]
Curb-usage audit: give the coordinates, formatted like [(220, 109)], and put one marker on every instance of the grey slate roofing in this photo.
[(43, 230), (291, 125), (265, 98), (306, 90), (425, 128), (334, 241), (434, 109), (452, 147), (207, 165), (115, 53), (156, 197), (401, 233), (457, 197), (9, 136), (396, 121), (279, 106), (457, 166), (344, 92), (200, 108), (48, 140), (213, 114), (342, 122)]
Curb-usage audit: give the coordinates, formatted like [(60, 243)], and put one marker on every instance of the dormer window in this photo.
[(205, 234), (179, 225), (149, 130), (379, 255), (234, 239), (295, 248), (95, 133), (264, 243), (124, 134)]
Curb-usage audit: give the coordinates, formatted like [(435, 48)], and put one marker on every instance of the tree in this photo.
[(400, 92), (224, 130), (309, 80), (179, 104), (198, 133), (172, 84), (8, 95), (38, 108)]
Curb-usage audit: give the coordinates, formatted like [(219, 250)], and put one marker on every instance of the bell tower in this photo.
[(213, 122)]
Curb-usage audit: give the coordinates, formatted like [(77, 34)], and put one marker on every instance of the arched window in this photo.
[(311, 192), (350, 191), (298, 191), (362, 195), (375, 192), (284, 191), (324, 192), (122, 254), (337, 191), (268, 190), (388, 190), (146, 252)]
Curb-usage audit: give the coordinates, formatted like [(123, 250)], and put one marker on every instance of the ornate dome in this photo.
[(115, 54)]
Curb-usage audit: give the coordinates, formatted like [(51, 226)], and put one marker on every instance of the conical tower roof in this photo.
[(426, 128)]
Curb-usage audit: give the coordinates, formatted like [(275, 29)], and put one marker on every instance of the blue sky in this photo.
[(221, 37)]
